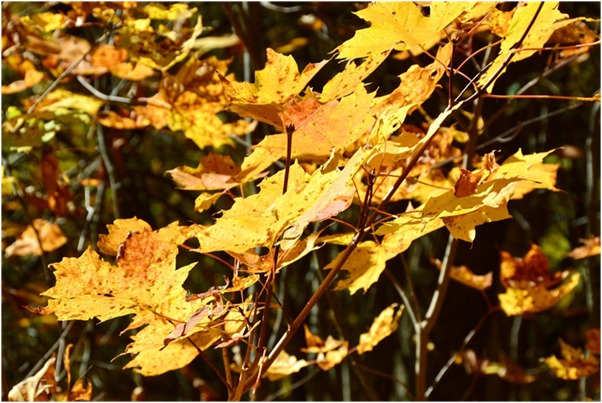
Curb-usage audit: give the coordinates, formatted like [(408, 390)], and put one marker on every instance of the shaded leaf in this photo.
[(591, 247), (573, 365), (27, 243)]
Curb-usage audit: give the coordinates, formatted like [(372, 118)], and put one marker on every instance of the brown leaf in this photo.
[(467, 184), (532, 268), (58, 193)]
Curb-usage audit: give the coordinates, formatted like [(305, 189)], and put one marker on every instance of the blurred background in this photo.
[(309, 31)]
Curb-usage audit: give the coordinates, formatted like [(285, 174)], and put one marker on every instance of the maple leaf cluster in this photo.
[(367, 172)]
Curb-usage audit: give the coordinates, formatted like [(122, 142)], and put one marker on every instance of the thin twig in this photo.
[(294, 386), (52, 350), (110, 169), (404, 296), (98, 94), (465, 342), (217, 371), (384, 375)]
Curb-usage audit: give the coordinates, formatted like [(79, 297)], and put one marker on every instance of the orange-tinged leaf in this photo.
[(533, 268), (591, 247), (327, 361), (399, 25), (316, 345), (334, 126), (464, 275), (130, 72), (330, 352), (278, 83), (27, 243), (467, 184), (116, 121), (118, 232), (384, 324), (59, 194), (79, 392), (593, 341), (32, 77), (144, 281), (573, 365), (108, 56), (534, 298)]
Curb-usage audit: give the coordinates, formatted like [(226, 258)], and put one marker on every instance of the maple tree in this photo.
[(316, 183)]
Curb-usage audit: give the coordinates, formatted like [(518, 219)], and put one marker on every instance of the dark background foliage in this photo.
[(555, 221)]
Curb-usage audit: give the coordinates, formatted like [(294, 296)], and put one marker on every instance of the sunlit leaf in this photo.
[(384, 324)]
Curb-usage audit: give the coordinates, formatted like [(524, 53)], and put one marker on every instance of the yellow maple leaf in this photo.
[(144, 281), (366, 263), (384, 324), (334, 126), (260, 219), (399, 25), (283, 366), (278, 83), (176, 11), (346, 82), (573, 365), (534, 298), (547, 21), (118, 232)]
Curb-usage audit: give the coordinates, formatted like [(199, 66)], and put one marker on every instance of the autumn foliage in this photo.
[(385, 204)]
